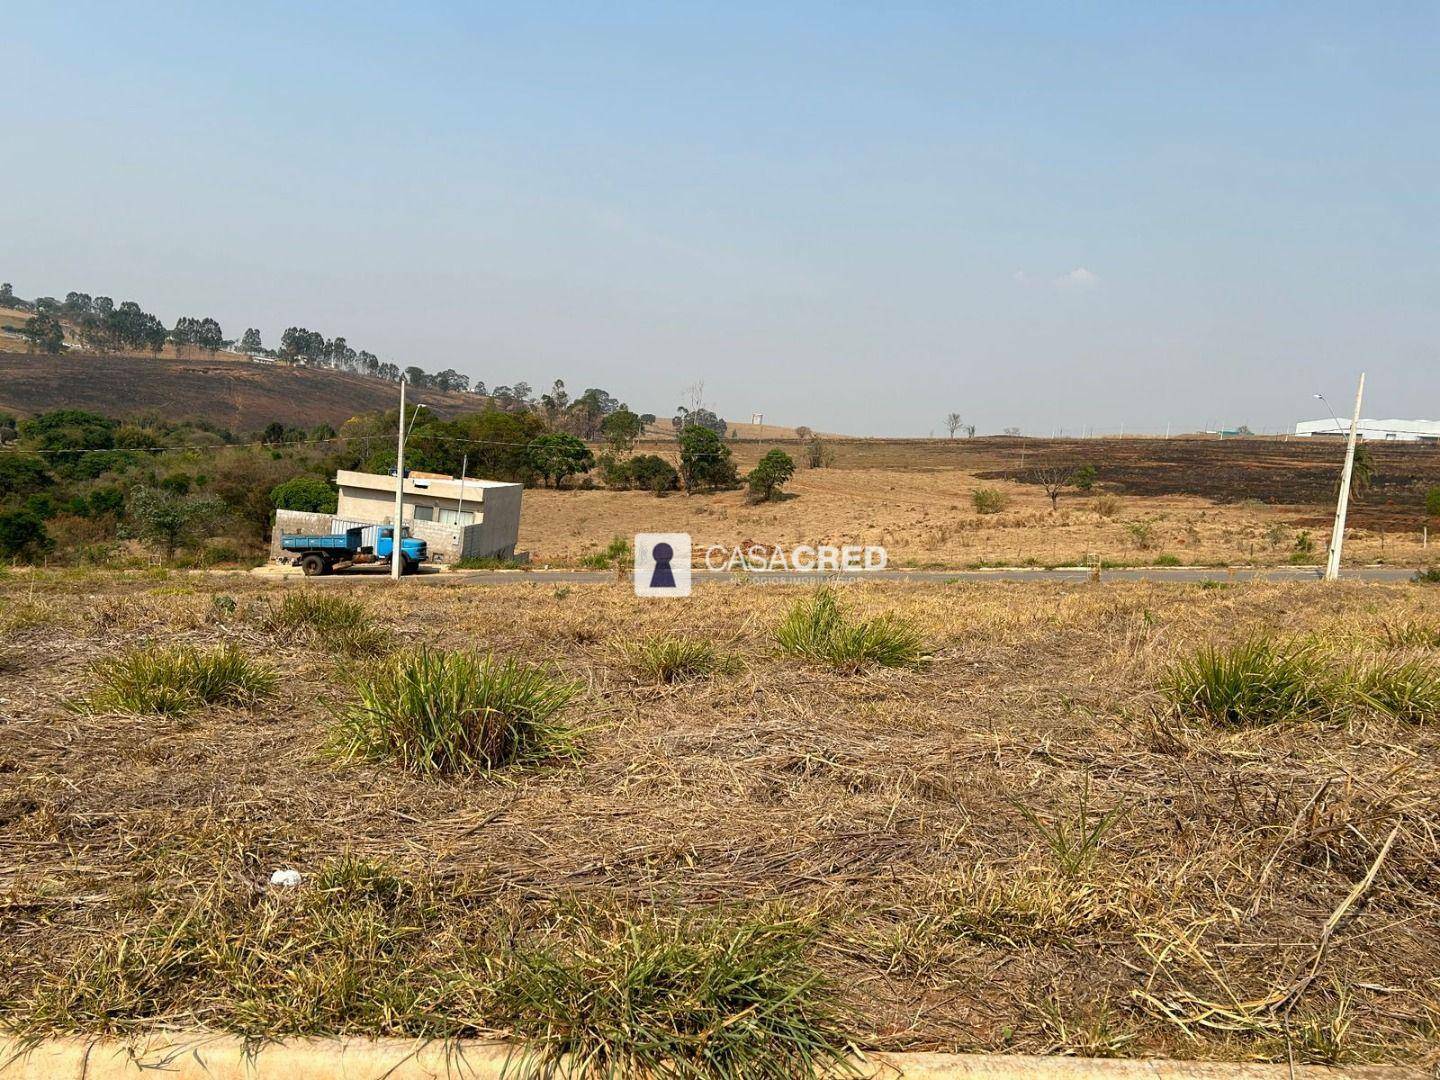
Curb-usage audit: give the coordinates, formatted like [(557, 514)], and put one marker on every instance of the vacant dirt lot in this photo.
[(903, 815), (1153, 499)]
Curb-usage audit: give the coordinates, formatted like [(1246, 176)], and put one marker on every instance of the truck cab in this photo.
[(413, 551)]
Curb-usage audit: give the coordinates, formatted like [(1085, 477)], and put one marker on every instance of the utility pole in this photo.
[(1337, 535), (396, 555)]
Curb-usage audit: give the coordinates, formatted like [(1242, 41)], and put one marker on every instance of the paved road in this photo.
[(914, 577)]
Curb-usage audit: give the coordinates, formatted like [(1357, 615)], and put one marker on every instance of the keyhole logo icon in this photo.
[(662, 564)]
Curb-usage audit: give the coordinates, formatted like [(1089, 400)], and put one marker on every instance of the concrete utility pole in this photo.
[(1337, 535), (396, 555)]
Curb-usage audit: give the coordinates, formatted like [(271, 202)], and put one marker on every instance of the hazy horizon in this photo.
[(839, 216)]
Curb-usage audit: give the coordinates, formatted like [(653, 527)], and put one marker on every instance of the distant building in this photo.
[(1425, 431), (469, 520)]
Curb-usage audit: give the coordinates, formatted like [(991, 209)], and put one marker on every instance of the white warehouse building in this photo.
[(1425, 431)]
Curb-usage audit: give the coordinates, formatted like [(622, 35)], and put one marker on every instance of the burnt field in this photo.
[(1296, 472)]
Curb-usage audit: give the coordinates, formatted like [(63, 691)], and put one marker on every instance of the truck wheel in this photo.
[(408, 565), (313, 565)]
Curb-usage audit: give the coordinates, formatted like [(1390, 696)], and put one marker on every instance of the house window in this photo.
[(424, 513), (457, 517)]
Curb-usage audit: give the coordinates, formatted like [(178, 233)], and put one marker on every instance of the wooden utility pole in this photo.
[(1342, 503)]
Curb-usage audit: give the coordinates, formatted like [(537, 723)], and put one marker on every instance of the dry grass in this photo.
[(1256, 891)]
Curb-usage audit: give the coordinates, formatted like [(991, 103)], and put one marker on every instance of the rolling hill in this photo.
[(235, 394)]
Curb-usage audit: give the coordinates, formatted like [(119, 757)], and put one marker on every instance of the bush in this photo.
[(1429, 576), (174, 681), (555, 457), (617, 552), (766, 479), (1142, 534), (457, 712), (331, 622), (671, 659), (649, 472), (686, 999), (1107, 506), (1167, 560), (818, 455), (989, 500), (1085, 477), (1432, 502), (1255, 682), (23, 536), (312, 494), (817, 630)]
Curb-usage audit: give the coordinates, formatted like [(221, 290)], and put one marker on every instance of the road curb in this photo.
[(222, 1057)]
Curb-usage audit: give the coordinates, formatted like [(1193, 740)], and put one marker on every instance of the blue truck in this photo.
[(323, 554)]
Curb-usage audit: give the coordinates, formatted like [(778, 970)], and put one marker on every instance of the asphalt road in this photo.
[(1184, 574)]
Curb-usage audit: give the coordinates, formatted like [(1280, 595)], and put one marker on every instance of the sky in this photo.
[(858, 217)]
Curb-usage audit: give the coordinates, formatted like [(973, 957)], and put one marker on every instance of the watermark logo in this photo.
[(662, 564)]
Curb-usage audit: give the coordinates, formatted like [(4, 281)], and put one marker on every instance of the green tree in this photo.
[(44, 333), (555, 457), (21, 474), (620, 430), (250, 341), (1432, 502), (1085, 477), (168, 519), (705, 460), (23, 536), (766, 479), (305, 492), (69, 435), (7, 295), (651, 472)]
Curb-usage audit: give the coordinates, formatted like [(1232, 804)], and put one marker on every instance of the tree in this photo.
[(416, 376), (620, 430), (307, 492), (1432, 502), (1085, 477), (250, 341), (953, 423), (23, 536), (69, 435), (766, 479), (7, 295), (21, 474), (686, 418), (705, 460), (1362, 472), (168, 519), (44, 333), (650, 472), (555, 456), (1054, 477)]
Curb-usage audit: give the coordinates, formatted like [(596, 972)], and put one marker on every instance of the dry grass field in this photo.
[(1154, 500), (1015, 841)]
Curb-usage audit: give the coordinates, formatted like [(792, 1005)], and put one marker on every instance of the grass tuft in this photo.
[(670, 658), (1254, 682), (817, 630), (173, 681), (693, 999), (618, 551), (1405, 689), (339, 624), (457, 712)]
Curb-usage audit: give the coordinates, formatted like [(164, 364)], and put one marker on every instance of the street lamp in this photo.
[(1338, 425), (397, 556)]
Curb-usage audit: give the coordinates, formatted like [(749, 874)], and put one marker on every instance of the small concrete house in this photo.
[(470, 519)]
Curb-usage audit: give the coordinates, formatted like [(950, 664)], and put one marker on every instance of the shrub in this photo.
[(617, 552), (766, 479), (1255, 682), (1107, 506), (173, 681), (340, 624), (1167, 560), (23, 536), (650, 472), (989, 500), (555, 457), (1405, 689), (686, 999), (456, 712), (818, 454), (1429, 576), (670, 659), (1142, 534), (1432, 502), (1085, 477), (817, 630)]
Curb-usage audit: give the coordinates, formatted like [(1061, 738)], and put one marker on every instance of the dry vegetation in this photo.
[(1022, 844), (918, 499)]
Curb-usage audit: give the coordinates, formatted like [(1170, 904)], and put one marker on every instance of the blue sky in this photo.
[(857, 217)]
